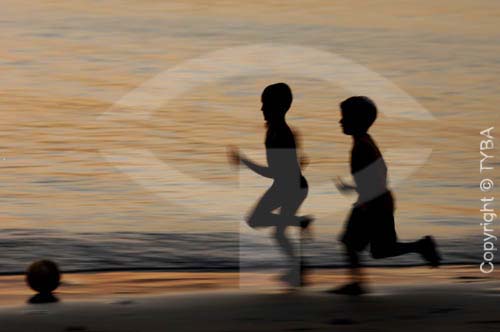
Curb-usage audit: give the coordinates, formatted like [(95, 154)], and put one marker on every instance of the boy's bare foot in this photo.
[(352, 289), (306, 221), (429, 251), (292, 278), (305, 226)]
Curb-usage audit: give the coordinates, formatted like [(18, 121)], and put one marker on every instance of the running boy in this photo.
[(289, 188), (372, 217)]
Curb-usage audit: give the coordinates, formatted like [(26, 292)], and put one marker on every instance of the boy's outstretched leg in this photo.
[(426, 247)]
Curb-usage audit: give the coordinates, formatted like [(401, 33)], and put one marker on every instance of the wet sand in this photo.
[(450, 298)]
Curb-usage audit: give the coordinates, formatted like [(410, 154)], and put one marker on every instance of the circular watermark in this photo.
[(170, 183)]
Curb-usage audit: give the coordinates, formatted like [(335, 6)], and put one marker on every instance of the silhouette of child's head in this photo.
[(276, 101), (358, 114)]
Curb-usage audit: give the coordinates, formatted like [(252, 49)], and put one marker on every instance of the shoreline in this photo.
[(107, 285), (237, 269)]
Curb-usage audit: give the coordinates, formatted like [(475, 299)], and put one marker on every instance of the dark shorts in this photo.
[(371, 223)]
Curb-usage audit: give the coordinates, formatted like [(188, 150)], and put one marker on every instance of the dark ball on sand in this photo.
[(43, 276)]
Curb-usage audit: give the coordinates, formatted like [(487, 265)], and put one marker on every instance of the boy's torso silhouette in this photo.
[(368, 169), (281, 152), (371, 220)]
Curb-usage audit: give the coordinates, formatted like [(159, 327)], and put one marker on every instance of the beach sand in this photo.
[(410, 299)]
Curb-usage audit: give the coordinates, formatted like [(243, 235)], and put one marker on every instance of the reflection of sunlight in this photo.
[(210, 198), (231, 200)]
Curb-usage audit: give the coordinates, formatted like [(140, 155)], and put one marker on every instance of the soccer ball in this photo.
[(43, 276)]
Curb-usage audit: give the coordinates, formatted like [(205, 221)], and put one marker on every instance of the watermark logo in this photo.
[(486, 185), (203, 197)]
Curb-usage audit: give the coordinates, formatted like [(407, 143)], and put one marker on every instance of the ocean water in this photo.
[(194, 251), (116, 117)]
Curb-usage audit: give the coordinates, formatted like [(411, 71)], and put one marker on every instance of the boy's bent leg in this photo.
[(261, 215)]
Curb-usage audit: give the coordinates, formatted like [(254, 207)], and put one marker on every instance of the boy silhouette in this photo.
[(289, 188), (372, 216)]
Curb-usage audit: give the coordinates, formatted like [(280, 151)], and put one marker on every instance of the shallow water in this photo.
[(91, 251)]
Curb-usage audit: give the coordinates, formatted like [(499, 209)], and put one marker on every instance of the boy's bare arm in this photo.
[(236, 158), (259, 169), (342, 186)]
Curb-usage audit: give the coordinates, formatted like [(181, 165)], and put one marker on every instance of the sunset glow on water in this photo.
[(65, 64)]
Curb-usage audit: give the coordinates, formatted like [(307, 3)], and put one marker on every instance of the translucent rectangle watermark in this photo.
[(263, 260)]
